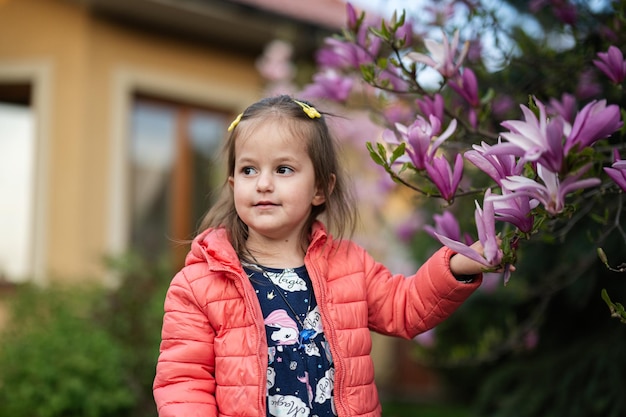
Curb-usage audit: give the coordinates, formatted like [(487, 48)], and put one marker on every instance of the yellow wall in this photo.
[(88, 57), (91, 62)]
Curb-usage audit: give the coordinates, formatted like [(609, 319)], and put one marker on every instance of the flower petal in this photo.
[(462, 249)]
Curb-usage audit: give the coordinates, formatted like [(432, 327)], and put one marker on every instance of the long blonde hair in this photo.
[(338, 210)]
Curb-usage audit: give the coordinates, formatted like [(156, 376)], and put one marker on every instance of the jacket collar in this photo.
[(213, 247)]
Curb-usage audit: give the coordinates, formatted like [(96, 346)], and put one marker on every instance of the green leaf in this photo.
[(488, 96), (384, 30), (382, 151), (401, 21), (398, 152), (375, 157), (368, 73)]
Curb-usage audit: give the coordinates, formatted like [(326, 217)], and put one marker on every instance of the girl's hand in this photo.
[(462, 265)]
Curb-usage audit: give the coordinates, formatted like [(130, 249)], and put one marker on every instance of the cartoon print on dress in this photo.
[(287, 406), (311, 349), (287, 333), (288, 280), (305, 380), (271, 377), (271, 354), (314, 321), (324, 388)]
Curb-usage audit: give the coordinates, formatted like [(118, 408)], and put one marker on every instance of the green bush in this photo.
[(55, 362), (133, 315), (574, 366), (88, 352)]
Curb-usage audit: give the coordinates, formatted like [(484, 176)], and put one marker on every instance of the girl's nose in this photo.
[(265, 182)]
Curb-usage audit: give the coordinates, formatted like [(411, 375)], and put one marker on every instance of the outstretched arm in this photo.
[(406, 306)]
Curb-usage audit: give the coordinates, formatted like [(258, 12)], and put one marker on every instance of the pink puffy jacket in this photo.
[(213, 359)]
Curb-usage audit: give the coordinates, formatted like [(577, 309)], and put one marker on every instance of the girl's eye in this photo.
[(247, 171), (284, 170)]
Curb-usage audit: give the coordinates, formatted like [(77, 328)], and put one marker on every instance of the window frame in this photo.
[(39, 76), (127, 83)]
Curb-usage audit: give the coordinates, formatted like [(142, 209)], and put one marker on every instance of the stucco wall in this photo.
[(92, 66)]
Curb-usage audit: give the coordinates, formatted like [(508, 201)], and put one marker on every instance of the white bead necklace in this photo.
[(304, 335)]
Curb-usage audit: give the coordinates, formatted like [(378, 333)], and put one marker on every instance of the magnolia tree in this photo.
[(467, 114), (510, 121)]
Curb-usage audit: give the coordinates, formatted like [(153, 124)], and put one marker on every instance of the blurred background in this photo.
[(112, 115)]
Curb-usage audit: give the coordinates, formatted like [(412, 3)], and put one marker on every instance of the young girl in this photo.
[(271, 314)]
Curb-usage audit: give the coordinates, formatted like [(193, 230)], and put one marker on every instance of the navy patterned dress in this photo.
[(300, 373)]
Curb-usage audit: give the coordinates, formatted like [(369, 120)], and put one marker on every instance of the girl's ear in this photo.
[(231, 181), (320, 197)]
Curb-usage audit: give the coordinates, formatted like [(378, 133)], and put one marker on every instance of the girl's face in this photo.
[(273, 183)]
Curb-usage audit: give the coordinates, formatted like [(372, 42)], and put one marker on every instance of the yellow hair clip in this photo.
[(235, 122), (309, 110)]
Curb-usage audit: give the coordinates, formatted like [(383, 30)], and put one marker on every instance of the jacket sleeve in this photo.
[(184, 385), (407, 306)]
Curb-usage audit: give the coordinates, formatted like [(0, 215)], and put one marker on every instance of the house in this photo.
[(112, 112), (111, 116)]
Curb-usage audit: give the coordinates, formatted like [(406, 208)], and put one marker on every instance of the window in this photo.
[(173, 173), (17, 182)]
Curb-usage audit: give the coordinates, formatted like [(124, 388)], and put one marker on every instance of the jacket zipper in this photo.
[(337, 359)]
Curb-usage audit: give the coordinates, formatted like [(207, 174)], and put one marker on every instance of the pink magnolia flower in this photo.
[(612, 64), (588, 87), (445, 178), (466, 86), (398, 112), (617, 171), (515, 208), (351, 16), (340, 54), (552, 193), (485, 225), (497, 167), (447, 225), (442, 55), (501, 105), (422, 139), (431, 106), (562, 9), (329, 84), (536, 139), (275, 63), (594, 122), (565, 11), (566, 107)]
